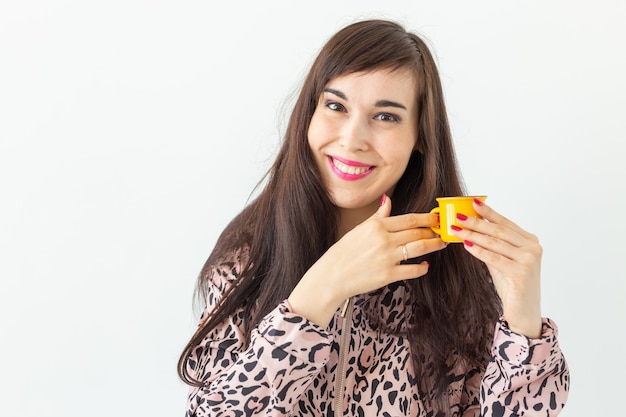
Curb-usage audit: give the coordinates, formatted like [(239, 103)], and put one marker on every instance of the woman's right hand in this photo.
[(366, 258)]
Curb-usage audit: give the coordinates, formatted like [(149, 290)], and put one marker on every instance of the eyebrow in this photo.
[(379, 103)]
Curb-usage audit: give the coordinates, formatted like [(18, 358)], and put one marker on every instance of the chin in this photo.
[(356, 203)]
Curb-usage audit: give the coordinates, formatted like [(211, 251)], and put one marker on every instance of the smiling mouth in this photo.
[(349, 170)]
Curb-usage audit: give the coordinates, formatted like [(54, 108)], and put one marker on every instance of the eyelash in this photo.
[(393, 117), (332, 104), (388, 117)]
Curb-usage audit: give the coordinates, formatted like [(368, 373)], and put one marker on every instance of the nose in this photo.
[(355, 135)]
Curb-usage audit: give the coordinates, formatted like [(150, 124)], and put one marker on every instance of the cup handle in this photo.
[(436, 229)]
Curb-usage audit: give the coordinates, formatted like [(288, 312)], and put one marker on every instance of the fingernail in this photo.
[(455, 228), (468, 243), (461, 216), (383, 199), (478, 202)]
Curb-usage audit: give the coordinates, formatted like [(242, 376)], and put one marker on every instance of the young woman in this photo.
[(330, 295)]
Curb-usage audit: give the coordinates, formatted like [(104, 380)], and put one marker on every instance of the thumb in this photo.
[(384, 210)]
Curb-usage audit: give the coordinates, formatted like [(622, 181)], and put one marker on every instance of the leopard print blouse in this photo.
[(291, 365)]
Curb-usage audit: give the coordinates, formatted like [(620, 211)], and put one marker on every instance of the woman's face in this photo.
[(362, 134)]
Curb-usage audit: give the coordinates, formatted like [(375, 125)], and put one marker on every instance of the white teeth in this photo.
[(347, 169)]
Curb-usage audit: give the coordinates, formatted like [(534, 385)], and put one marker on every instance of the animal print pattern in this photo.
[(289, 368)]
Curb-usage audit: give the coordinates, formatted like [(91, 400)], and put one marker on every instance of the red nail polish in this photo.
[(468, 243), (478, 202), (461, 216), (383, 199), (455, 227)]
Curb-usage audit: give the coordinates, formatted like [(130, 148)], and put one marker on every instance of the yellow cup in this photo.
[(448, 209)]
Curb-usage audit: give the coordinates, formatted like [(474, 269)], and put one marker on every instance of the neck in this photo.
[(350, 218)]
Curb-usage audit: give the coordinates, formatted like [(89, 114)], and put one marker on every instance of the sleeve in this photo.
[(525, 377), (285, 353)]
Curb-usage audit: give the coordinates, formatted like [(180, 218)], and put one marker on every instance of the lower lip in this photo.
[(348, 177)]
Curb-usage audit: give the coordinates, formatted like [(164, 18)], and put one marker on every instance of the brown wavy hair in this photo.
[(293, 222)]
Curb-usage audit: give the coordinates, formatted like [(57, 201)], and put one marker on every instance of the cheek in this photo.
[(399, 156), (404, 151), (315, 140), (315, 133), (400, 163), (323, 130), (312, 136)]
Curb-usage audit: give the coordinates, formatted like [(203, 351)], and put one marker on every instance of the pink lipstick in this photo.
[(349, 170)]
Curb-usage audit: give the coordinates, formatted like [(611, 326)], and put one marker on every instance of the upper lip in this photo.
[(350, 162)]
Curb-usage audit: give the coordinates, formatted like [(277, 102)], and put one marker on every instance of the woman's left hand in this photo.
[(513, 257)]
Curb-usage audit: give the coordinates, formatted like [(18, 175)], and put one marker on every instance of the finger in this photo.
[(492, 259), (384, 208), (486, 241), (420, 247), (494, 231), (410, 221), (493, 216), (410, 271), (409, 235)]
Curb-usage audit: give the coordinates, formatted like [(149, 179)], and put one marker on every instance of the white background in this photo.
[(132, 131)]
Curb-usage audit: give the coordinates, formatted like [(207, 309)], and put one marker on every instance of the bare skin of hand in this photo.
[(513, 257), (366, 258)]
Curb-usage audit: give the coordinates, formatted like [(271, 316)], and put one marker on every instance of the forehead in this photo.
[(397, 85)]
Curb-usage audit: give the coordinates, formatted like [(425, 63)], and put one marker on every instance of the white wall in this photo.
[(132, 131)]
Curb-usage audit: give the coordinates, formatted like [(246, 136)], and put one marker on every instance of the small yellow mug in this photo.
[(448, 209)]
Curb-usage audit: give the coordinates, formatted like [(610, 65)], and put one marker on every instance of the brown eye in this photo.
[(387, 117), (333, 105)]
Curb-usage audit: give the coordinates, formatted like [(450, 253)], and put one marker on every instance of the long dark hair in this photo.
[(293, 222)]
